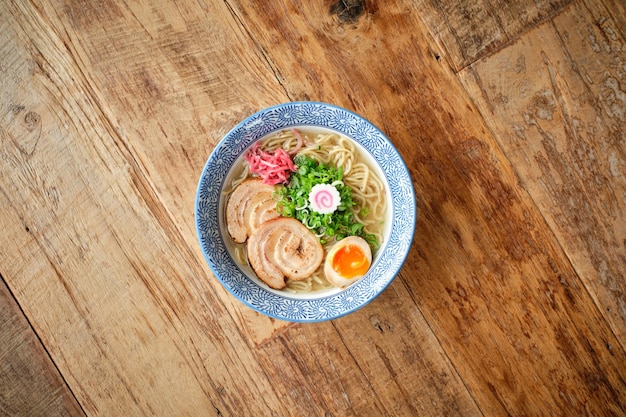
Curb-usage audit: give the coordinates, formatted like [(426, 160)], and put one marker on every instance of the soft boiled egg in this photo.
[(347, 261)]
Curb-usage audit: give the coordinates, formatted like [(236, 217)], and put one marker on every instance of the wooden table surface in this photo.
[(511, 116)]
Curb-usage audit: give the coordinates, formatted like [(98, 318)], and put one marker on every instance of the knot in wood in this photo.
[(348, 11)]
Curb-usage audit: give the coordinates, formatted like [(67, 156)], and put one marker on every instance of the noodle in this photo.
[(368, 190), (239, 178)]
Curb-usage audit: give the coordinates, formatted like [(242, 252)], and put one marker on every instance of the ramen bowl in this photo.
[(240, 280)]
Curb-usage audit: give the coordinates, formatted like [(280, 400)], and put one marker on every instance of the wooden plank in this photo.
[(118, 300), (554, 102), (464, 30), (165, 169), (468, 30), (489, 276), (172, 79), (31, 385), (615, 8), (409, 364), (103, 344), (404, 373)]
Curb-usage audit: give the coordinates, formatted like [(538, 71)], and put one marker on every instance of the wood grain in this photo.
[(381, 360), (32, 386), (129, 267), (151, 152), (171, 98), (554, 102), (491, 279), (116, 297), (469, 30), (108, 111)]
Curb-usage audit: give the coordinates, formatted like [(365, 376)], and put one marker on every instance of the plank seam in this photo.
[(58, 372)]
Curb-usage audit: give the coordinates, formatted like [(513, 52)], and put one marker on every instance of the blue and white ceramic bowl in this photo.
[(241, 281)]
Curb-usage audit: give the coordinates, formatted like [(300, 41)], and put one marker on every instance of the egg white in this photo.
[(331, 275)]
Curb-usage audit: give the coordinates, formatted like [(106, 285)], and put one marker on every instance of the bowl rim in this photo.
[(317, 308)]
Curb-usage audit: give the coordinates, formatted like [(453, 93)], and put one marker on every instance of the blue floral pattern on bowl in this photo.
[(282, 305)]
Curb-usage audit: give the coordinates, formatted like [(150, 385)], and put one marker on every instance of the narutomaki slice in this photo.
[(284, 248)]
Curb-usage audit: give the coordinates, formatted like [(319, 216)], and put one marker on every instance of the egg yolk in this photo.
[(350, 261)]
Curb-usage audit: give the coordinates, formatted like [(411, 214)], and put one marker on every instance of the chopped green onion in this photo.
[(292, 200)]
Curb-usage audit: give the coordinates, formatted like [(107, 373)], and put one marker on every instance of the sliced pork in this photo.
[(248, 206), (284, 248)]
